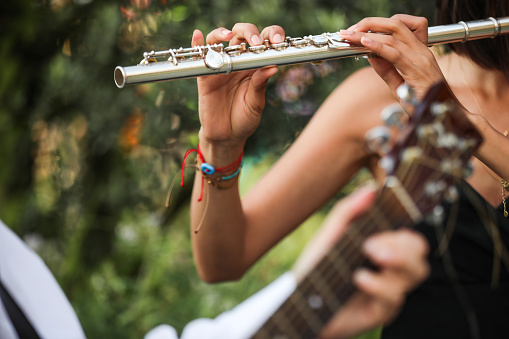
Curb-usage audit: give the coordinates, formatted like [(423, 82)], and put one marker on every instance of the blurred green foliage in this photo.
[(85, 167)]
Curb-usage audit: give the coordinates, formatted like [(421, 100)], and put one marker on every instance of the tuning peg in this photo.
[(436, 217), (392, 115), (377, 139), (451, 195), (387, 164), (407, 94), (440, 109), (435, 189)]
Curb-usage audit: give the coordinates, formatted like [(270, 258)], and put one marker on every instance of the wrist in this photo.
[(220, 153)]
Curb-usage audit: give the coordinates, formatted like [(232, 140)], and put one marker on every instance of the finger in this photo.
[(412, 30), (344, 212), (219, 35), (246, 32), (197, 39), (256, 89), (386, 40), (418, 25), (386, 288), (275, 34), (358, 315), (335, 224), (384, 66), (404, 252)]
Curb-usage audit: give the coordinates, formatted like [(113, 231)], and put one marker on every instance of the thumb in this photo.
[(255, 96)]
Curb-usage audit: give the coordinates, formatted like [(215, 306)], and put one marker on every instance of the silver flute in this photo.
[(199, 61)]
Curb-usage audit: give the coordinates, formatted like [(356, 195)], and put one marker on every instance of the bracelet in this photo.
[(231, 171)]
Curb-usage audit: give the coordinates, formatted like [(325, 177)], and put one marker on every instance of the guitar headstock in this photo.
[(431, 153)]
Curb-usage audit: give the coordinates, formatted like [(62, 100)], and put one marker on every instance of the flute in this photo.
[(199, 61)]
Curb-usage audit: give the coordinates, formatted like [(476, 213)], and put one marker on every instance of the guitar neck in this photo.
[(329, 284)]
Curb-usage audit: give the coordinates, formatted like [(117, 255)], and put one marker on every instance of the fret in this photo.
[(382, 221), (280, 324), (338, 264), (302, 303), (327, 294), (356, 238), (263, 333), (330, 282)]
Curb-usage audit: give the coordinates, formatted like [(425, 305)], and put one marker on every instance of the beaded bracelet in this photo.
[(207, 170), (215, 181)]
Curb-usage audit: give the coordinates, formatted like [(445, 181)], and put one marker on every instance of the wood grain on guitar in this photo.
[(431, 153)]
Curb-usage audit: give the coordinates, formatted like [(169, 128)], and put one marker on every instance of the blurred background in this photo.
[(85, 167)]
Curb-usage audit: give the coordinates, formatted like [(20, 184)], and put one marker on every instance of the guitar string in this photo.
[(367, 221), (356, 248), (355, 227), (413, 176), (292, 315), (409, 174), (382, 214), (453, 277)]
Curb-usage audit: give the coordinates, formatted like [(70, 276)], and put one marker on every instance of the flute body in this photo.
[(216, 59)]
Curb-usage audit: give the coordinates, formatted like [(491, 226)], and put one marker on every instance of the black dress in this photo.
[(479, 302)]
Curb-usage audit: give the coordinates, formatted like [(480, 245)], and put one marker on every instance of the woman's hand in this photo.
[(231, 105), (402, 49), (401, 257)]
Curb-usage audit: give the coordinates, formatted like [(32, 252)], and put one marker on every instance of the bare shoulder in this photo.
[(364, 88), (358, 100)]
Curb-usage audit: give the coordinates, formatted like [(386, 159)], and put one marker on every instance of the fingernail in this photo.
[(277, 38), (255, 39), (382, 253), (226, 32), (366, 41), (346, 32), (362, 276), (352, 28)]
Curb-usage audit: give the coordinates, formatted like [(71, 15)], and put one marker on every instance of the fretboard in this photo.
[(328, 285)]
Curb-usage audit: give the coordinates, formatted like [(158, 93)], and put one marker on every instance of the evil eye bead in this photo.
[(207, 169)]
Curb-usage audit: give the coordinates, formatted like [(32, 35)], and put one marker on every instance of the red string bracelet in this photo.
[(208, 169)]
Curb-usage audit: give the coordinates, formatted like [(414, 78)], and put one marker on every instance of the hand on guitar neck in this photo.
[(399, 255)]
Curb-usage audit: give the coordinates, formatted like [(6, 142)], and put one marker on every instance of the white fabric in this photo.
[(35, 290), (239, 323)]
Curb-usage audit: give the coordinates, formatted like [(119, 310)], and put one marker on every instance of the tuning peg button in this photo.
[(440, 109), (392, 115), (407, 94), (451, 194), (436, 217), (378, 139), (387, 164), (435, 189)]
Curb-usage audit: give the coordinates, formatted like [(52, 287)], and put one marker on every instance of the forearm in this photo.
[(217, 221)]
